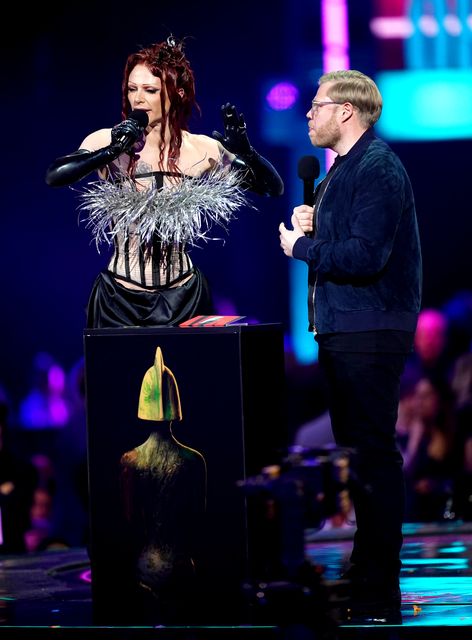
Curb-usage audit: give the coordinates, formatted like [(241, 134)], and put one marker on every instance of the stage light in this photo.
[(425, 104), (282, 96)]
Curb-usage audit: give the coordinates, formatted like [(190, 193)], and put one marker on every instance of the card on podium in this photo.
[(213, 321)]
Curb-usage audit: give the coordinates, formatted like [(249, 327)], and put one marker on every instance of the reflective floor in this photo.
[(48, 595), (436, 579)]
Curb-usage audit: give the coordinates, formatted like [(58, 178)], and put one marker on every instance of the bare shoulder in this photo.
[(203, 147), (201, 142), (96, 140)]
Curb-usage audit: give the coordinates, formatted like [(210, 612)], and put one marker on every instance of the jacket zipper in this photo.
[(318, 206)]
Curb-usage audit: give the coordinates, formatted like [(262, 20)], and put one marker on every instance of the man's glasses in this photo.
[(316, 105)]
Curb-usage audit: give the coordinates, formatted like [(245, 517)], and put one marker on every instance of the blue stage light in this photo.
[(428, 104)]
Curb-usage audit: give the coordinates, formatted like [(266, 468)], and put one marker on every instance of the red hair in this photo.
[(167, 61)]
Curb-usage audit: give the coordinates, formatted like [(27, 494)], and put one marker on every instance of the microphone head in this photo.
[(139, 116), (308, 168)]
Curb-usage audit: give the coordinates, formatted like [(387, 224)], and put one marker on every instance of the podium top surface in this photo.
[(230, 329)]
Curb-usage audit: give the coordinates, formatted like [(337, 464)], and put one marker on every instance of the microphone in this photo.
[(75, 166), (308, 171), (131, 134)]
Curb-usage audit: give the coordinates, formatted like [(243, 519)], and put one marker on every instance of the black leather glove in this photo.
[(235, 133), (125, 134), (259, 175), (75, 166)]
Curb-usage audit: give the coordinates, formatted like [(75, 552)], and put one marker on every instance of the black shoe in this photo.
[(385, 616), (368, 593)]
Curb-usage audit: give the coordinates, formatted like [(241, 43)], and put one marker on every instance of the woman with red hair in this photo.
[(160, 190)]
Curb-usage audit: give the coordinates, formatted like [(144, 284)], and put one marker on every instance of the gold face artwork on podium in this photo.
[(164, 498)]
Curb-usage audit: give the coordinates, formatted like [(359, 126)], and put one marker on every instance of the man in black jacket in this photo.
[(361, 244)]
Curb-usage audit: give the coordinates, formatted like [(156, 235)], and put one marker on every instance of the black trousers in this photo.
[(363, 393)]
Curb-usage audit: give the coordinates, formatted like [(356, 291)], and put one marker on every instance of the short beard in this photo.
[(329, 136)]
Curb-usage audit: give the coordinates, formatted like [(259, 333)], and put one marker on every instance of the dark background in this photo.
[(62, 71)]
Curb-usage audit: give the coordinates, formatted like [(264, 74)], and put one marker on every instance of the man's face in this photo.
[(323, 127)]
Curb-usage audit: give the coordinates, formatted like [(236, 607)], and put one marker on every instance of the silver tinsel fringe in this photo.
[(184, 212)]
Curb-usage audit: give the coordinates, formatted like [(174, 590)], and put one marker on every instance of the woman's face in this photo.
[(144, 93), (427, 399)]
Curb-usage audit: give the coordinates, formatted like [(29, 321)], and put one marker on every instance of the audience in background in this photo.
[(406, 427), (70, 515), (39, 536), (52, 433), (17, 483), (428, 464), (461, 384), (44, 411), (431, 355), (458, 310), (44, 406)]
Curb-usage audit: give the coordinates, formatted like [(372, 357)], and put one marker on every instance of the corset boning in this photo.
[(151, 267)]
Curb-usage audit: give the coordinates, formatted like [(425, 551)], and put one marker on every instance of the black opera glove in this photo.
[(125, 134), (235, 137), (69, 169), (259, 174)]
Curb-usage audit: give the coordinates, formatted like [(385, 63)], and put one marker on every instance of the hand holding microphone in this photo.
[(302, 217), (75, 166), (308, 171), (126, 133)]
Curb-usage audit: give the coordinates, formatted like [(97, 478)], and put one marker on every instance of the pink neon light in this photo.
[(335, 39), (334, 30), (391, 28), (336, 60), (86, 576), (396, 27)]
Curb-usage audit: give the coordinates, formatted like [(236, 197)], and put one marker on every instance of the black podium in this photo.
[(230, 384)]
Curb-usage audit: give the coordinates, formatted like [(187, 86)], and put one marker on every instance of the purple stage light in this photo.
[(282, 96)]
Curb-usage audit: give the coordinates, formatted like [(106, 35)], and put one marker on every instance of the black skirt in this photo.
[(113, 305)]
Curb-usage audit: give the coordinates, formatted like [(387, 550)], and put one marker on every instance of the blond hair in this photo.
[(358, 89)]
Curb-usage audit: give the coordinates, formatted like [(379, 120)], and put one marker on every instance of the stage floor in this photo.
[(48, 594)]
